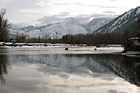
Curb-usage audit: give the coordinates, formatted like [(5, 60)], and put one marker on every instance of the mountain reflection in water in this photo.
[(125, 67), (102, 64)]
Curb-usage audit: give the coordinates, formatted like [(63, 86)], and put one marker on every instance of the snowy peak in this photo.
[(126, 21), (70, 21), (138, 10), (68, 26), (131, 12)]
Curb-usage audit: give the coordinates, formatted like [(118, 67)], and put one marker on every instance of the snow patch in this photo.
[(138, 11)]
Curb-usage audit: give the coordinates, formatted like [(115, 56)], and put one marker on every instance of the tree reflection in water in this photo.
[(4, 66)]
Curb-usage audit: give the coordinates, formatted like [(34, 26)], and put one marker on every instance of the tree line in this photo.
[(90, 39)]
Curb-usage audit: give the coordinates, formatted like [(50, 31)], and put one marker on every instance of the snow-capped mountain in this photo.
[(125, 22), (57, 30), (97, 23), (68, 26)]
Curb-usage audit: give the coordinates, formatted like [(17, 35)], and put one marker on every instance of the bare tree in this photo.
[(4, 26)]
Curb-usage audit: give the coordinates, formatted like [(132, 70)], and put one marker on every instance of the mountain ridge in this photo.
[(56, 30), (126, 21)]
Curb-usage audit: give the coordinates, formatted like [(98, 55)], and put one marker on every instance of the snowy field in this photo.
[(60, 49)]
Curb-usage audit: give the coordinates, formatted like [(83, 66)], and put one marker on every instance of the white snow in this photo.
[(57, 30), (114, 24), (138, 11), (127, 14), (60, 49), (19, 32), (113, 29)]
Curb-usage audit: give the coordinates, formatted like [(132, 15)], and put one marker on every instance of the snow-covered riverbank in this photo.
[(60, 49)]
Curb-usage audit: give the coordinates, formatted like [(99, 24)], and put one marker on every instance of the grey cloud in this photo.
[(76, 3), (64, 14), (22, 4), (83, 19), (101, 6), (57, 18), (113, 0), (54, 18), (16, 9), (32, 13), (50, 19), (102, 15), (19, 25), (97, 15), (92, 5), (110, 12)]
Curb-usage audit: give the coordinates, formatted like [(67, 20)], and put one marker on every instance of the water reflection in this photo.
[(127, 68), (4, 66), (69, 73)]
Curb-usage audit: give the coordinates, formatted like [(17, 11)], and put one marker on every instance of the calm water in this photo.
[(68, 73)]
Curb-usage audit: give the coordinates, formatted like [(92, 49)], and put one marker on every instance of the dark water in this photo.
[(69, 73)]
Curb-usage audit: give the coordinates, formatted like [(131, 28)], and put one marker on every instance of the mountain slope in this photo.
[(57, 30), (68, 26), (96, 23), (124, 22)]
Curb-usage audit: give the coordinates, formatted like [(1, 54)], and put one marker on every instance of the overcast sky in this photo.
[(51, 11)]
